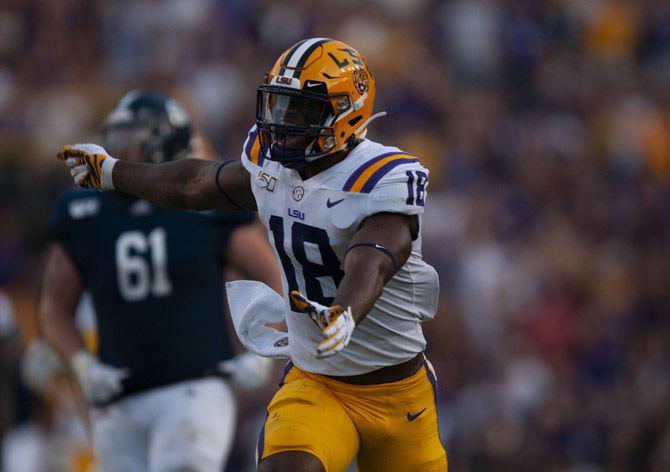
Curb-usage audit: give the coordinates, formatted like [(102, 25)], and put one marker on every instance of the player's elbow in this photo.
[(193, 200)]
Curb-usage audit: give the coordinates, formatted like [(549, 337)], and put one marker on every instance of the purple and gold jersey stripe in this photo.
[(364, 179), (253, 149)]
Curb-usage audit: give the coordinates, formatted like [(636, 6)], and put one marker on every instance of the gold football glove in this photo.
[(87, 165), (336, 324)]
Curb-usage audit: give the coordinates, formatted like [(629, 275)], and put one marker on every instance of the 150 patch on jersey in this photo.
[(266, 181)]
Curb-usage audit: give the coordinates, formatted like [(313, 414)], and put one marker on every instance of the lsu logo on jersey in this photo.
[(296, 214)]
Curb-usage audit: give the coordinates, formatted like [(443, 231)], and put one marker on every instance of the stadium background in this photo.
[(546, 126)]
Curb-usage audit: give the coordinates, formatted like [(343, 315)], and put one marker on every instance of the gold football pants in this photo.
[(386, 427)]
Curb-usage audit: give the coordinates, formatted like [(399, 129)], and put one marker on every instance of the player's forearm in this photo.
[(362, 285), (250, 253), (60, 293), (180, 184), (59, 330)]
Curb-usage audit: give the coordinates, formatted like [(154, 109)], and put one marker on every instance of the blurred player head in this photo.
[(316, 101), (147, 126)]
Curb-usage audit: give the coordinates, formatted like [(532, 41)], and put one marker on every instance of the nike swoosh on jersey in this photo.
[(412, 417), (330, 204), (312, 84)]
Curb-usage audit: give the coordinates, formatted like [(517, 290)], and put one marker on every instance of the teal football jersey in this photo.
[(156, 280)]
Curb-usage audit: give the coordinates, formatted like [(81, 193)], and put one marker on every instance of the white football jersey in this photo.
[(311, 223)]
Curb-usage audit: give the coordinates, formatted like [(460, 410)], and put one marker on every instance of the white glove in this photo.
[(89, 165), (40, 365), (336, 324), (99, 382), (247, 371)]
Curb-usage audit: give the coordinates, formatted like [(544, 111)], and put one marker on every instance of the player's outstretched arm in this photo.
[(189, 184), (192, 184)]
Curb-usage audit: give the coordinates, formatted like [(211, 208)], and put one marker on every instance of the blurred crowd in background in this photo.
[(546, 126)]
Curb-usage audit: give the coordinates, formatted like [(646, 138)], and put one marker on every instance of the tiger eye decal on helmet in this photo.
[(323, 109), (361, 81)]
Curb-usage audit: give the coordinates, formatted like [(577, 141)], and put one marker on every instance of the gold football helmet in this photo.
[(316, 100)]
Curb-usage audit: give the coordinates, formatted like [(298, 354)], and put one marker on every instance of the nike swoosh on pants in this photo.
[(412, 417)]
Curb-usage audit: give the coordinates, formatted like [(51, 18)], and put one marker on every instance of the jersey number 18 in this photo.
[(301, 235)]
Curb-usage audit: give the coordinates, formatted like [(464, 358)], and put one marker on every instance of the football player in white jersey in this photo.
[(343, 214)]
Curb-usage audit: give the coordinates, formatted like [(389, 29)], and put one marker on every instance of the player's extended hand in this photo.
[(247, 370), (87, 166), (99, 382), (336, 324)]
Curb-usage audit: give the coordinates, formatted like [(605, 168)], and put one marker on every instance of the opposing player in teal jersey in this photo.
[(159, 382)]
